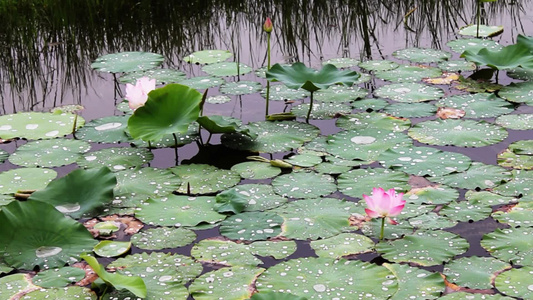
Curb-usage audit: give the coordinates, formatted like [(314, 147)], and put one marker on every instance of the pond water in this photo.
[(46, 63)]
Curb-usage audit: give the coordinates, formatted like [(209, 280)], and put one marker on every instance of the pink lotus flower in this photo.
[(267, 26), (138, 94), (384, 204)]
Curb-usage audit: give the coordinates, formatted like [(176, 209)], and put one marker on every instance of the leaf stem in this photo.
[(268, 68), (310, 108), (382, 228)]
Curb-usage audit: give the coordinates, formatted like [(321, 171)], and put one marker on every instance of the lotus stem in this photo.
[(268, 68), (382, 229), (175, 147), (310, 108)]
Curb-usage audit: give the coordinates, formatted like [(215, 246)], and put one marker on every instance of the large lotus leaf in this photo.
[(342, 245), (424, 248), (60, 277), (163, 237), (146, 181), (509, 57), (431, 195), (481, 30), (116, 159), (299, 76), (251, 226), (520, 185), (409, 92), (236, 254), (431, 221), (479, 175), (317, 218), (111, 248), (15, 285), (474, 272), (204, 179), (26, 240), (256, 170), (378, 65), (80, 193), (364, 144), (281, 92), (304, 185), (225, 284), (414, 283), (168, 110), (511, 245), (517, 216), (342, 62), (421, 55), (473, 296), (25, 179), (457, 66), (259, 197), (326, 278), (269, 295), (516, 282), (473, 45), (243, 87), (161, 76), (422, 161), (71, 292), (134, 284), (411, 110), (357, 182), (481, 105), (49, 153), (461, 133), (516, 121), (370, 104), (406, 73), (339, 93), (177, 211), (172, 140), (203, 82), (488, 198), (520, 74), (321, 111), (222, 69), (37, 125), (127, 62), (4, 268), (105, 130), (376, 120), (272, 136), (207, 56)]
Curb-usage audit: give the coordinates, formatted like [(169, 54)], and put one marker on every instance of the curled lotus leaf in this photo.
[(509, 57)]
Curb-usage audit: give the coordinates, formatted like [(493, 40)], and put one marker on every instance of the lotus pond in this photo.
[(196, 194)]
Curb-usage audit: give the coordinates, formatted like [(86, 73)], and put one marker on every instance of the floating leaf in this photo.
[(509, 57), (357, 182), (49, 153), (411, 110), (372, 120), (342, 245), (414, 283), (161, 76), (259, 197), (481, 30), (342, 62), (465, 211), (406, 73), (457, 66), (240, 87), (431, 195), (378, 65), (111, 248), (431, 221), (36, 125), (14, 285), (71, 292), (517, 216), (304, 185), (409, 92), (222, 69), (516, 121), (208, 56), (225, 283), (481, 105), (473, 296), (516, 282), (218, 99), (269, 295), (58, 277), (146, 181), (251, 226), (3, 155), (116, 159), (474, 272), (203, 82), (127, 62), (479, 175), (281, 92), (25, 179), (230, 201), (421, 55), (472, 44), (163, 238), (256, 170), (204, 179), (340, 93), (370, 104), (105, 130), (520, 185), (511, 245)]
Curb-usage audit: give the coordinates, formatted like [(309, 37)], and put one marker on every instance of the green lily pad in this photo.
[(431, 195), (516, 282), (474, 272), (272, 136), (472, 44), (370, 104), (218, 99), (24, 179), (424, 248), (281, 92), (379, 65), (178, 211), (510, 157), (176, 107), (481, 105), (127, 62), (334, 165), (488, 198), (304, 160), (204, 179), (4, 269), (116, 159), (405, 73), (304, 185), (357, 182), (256, 170), (520, 74), (481, 30), (321, 111), (169, 141), (240, 87), (507, 58), (220, 124), (222, 69), (75, 195), (325, 278), (473, 296), (49, 153), (414, 283), (315, 219), (162, 238), (208, 56), (225, 283), (3, 155), (421, 55), (511, 245), (516, 121), (71, 292), (519, 215), (58, 277), (461, 133), (465, 211), (422, 161), (111, 248), (411, 110), (269, 295), (26, 241), (203, 82), (340, 93), (259, 197), (15, 285), (520, 185), (372, 120), (479, 175), (409, 92), (342, 245), (251, 226), (146, 181), (161, 76), (456, 66), (431, 221), (36, 125), (342, 62), (105, 130)]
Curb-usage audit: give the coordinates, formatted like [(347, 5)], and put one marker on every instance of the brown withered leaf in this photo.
[(446, 78), (450, 113), (132, 225), (90, 275)]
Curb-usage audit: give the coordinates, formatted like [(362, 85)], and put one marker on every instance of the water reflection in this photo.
[(47, 48)]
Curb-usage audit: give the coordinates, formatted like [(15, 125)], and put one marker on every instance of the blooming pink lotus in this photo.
[(138, 94), (384, 204)]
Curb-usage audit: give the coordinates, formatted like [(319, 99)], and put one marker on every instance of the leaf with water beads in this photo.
[(163, 238), (342, 245), (521, 92), (161, 76), (516, 121), (516, 216), (116, 159), (431, 221), (376, 120), (342, 62), (474, 272), (146, 181), (207, 56), (70, 292), (252, 226), (280, 92), (481, 30), (204, 179), (439, 194), (406, 73), (3, 155), (372, 228), (60, 277), (465, 211), (339, 94), (511, 245), (111, 248), (304, 185), (49, 153), (24, 179), (256, 170), (379, 65), (240, 87), (127, 62), (472, 44), (357, 182), (222, 69), (203, 82), (415, 283), (37, 125), (411, 110), (520, 185), (481, 105), (226, 283), (409, 92), (369, 104), (105, 130), (488, 198), (516, 282), (421, 55), (477, 176), (456, 66), (473, 296)]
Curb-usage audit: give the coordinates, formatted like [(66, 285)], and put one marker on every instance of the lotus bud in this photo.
[(267, 27)]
